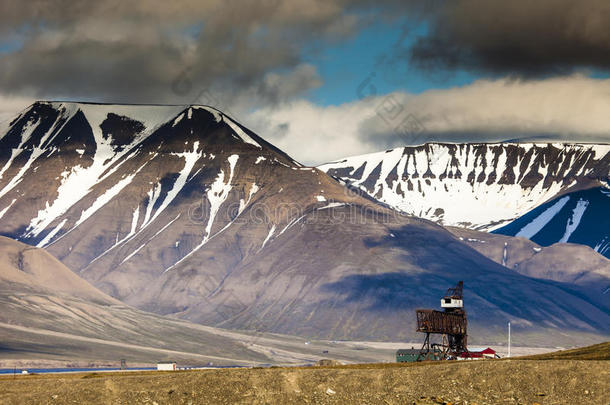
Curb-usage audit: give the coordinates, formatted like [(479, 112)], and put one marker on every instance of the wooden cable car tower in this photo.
[(451, 324)]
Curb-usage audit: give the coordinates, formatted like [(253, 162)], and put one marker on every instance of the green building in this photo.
[(407, 355), (411, 355)]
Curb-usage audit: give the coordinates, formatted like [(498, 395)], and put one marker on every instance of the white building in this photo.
[(450, 302), (166, 366)]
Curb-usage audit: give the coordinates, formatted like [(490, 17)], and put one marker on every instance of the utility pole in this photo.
[(508, 339)]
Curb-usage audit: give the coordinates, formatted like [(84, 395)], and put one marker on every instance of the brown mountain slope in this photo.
[(48, 312), (564, 262), (35, 269), (346, 272)]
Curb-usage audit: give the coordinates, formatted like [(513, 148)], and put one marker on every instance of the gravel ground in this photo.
[(476, 382)]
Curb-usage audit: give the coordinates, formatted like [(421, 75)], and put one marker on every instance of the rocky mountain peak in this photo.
[(77, 125)]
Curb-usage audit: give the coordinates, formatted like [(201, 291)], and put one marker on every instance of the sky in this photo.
[(326, 79)]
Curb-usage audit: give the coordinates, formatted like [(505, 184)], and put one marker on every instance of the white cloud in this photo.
[(574, 105), (312, 133), (573, 108)]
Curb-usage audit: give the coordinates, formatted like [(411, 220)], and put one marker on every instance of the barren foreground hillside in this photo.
[(479, 382)]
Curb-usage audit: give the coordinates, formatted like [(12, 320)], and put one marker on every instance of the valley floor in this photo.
[(24, 348), (477, 382)]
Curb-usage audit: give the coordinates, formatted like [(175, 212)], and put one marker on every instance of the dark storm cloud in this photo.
[(137, 51), (521, 37), (162, 52)]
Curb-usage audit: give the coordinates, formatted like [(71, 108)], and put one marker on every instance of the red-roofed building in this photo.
[(487, 353)]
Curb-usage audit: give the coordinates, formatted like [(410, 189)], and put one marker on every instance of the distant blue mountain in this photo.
[(578, 217)]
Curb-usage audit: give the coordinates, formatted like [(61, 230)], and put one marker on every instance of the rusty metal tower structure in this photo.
[(451, 324)]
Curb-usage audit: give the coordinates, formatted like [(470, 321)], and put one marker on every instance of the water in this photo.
[(69, 370)]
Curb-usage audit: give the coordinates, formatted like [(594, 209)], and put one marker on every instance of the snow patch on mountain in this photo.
[(37, 152), (103, 199), (578, 217), (153, 194), (603, 247), (573, 222), (190, 158), (132, 254), (160, 231), (51, 234), (291, 224), (14, 153), (240, 132), (243, 204), (540, 221), (8, 207), (177, 120), (216, 194), (269, 235), (331, 205)]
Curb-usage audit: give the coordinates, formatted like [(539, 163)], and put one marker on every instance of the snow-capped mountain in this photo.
[(478, 186), (577, 217), (181, 210), (85, 155)]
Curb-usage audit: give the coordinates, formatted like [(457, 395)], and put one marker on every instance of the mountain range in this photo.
[(182, 211), (493, 187), (477, 186)]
